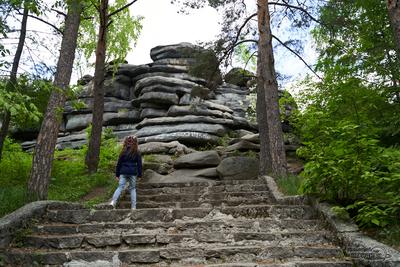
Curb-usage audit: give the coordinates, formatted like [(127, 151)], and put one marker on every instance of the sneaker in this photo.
[(112, 203), (133, 208)]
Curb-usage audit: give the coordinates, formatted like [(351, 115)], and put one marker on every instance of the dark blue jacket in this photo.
[(129, 165)]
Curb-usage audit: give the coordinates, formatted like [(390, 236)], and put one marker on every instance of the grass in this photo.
[(69, 180), (289, 185)]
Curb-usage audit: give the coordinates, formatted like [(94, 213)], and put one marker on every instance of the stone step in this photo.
[(127, 238), (288, 263), (126, 204), (202, 189), (200, 197), (183, 226), (214, 254), (167, 215), (201, 184)]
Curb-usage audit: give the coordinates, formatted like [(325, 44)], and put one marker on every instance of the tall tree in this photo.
[(271, 136), (394, 15), (129, 28), (45, 146), (93, 153), (12, 82)]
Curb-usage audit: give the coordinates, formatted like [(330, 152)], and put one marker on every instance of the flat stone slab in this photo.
[(161, 80), (173, 147), (185, 137), (111, 104), (81, 121), (243, 145), (159, 98), (182, 76), (184, 119), (201, 159), (215, 129), (197, 110)]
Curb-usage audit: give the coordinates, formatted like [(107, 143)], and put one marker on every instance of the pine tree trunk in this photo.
[(46, 141), (273, 160), (394, 16), (11, 84), (265, 150), (93, 153)]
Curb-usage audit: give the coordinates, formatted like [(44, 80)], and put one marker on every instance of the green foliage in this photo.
[(349, 125), (69, 178), (341, 128), (289, 185), (122, 32), (246, 56), (9, 175), (16, 100)]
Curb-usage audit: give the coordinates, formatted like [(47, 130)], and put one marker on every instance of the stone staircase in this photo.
[(219, 223)]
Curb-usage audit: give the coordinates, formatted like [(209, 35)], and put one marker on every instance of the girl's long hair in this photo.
[(130, 146)]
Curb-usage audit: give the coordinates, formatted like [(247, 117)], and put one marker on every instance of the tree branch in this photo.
[(59, 12), (296, 7), (122, 8), (47, 23), (294, 52), (243, 25)]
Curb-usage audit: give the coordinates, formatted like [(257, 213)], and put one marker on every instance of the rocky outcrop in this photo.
[(158, 96), (159, 102), (240, 77)]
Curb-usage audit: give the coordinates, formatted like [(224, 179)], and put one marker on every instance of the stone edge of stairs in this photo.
[(363, 250)]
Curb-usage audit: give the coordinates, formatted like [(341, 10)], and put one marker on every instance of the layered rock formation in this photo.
[(159, 102)]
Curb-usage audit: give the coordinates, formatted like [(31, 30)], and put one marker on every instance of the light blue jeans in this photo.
[(132, 188)]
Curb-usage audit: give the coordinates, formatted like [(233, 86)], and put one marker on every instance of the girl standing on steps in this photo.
[(129, 168)]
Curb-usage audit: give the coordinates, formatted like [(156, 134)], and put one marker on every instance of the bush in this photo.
[(15, 164), (346, 161)]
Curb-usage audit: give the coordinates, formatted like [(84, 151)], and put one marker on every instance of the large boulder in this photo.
[(181, 50), (174, 148), (118, 87), (180, 176), (238, 168), (239, 77), (201, 159)]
